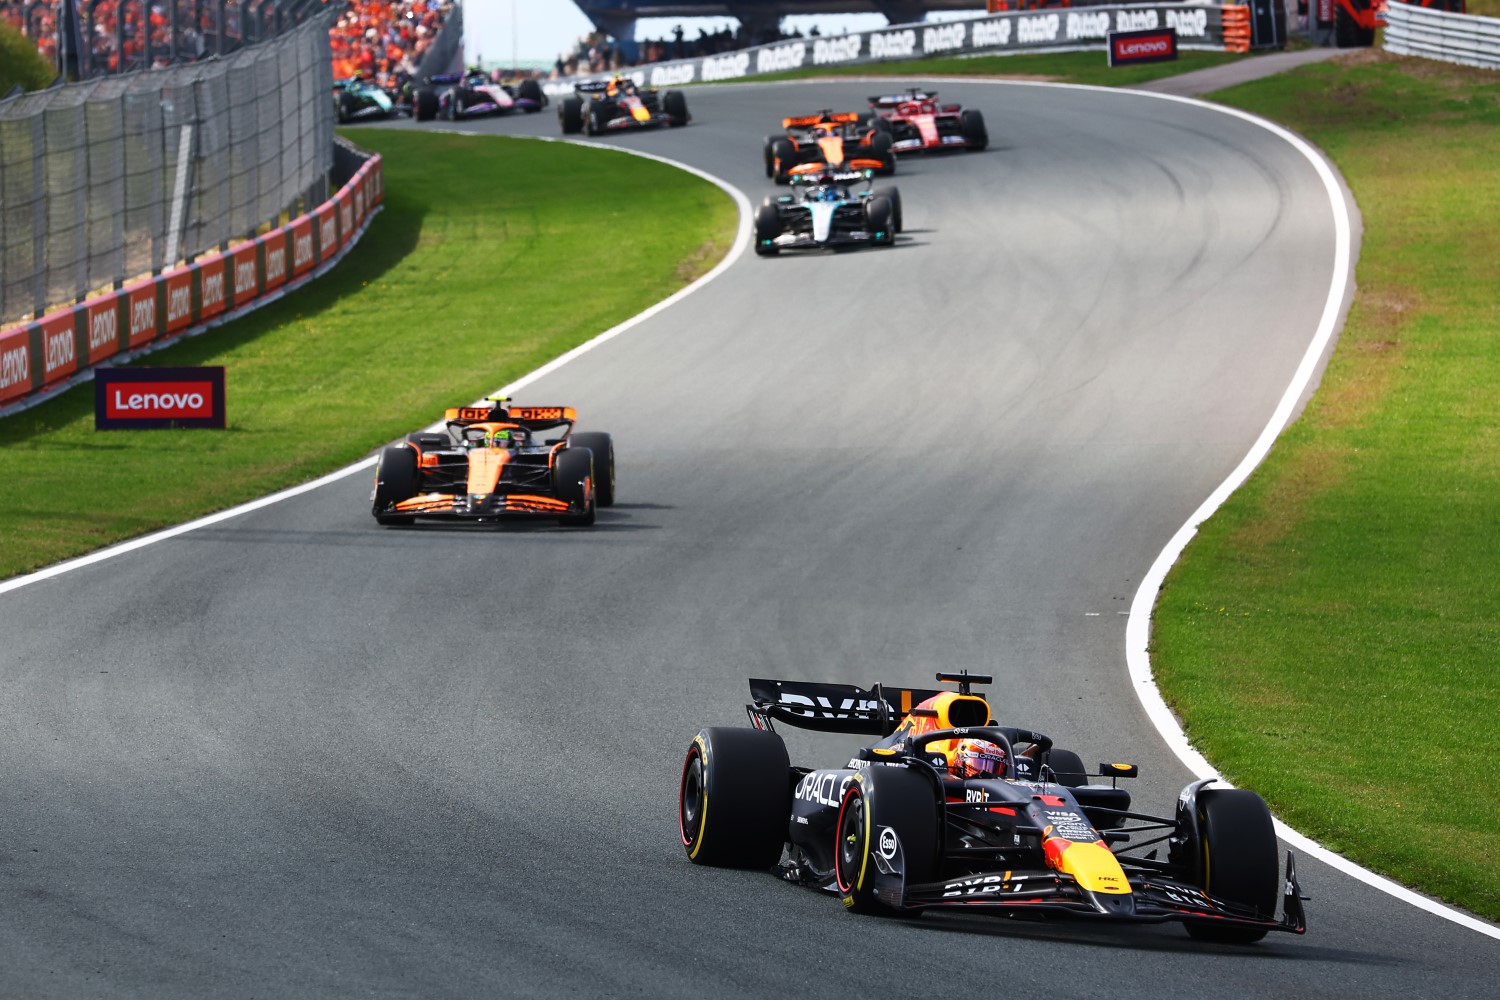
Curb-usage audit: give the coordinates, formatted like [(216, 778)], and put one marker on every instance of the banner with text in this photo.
[(1197, 26)]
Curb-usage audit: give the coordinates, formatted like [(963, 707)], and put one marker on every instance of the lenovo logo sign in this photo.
[(15, 368), (244, 276), (58, 349), (1151, 45), (275, 262), (148, 398), (328, 234), (213, 288), (142, 315), (162, 400)]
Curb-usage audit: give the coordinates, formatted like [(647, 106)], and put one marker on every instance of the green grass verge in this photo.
[(1330, 638), (1064, 67), (491, 257)]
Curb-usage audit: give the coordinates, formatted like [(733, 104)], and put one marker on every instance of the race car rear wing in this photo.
[(890, 100), (802, 121), (536, 418), (832, 708)]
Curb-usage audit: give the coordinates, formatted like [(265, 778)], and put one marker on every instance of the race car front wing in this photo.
[(485, 505), (1152, 899)]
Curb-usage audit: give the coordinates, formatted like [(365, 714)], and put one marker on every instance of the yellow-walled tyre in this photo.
[(1238, 841), (735, 800), (881, 802)]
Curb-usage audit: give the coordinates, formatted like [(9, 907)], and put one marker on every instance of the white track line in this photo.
[(742, 240)]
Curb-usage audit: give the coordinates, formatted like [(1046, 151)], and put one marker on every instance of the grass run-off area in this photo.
[(1331, 637), (458, 287)]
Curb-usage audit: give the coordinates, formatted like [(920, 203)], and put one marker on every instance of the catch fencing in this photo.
[(1437, 34), (45, 356), (124, 176), (1198, 26)]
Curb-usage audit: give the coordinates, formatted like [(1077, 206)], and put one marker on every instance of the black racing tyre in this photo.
[(767, 228), (530, 90), (347, 105), (396, 479), (880, 149), (1237, 841), (892, 195), (1068, 767), (570, 115), (784, 153), (603, 447), (573, 481), (597, 116), (735, 800), (675, 105), (971, 123), (902, 800), (1347, 33), (880, 124), (768, 153), (878, 220), (425, 104)]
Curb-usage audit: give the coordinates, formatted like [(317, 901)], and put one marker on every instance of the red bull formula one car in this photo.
[(618, 105), (844, 141), (948, 810), (490, 463), (916, 122)]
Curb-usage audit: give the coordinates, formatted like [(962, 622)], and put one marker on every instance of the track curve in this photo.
[(291, 753)]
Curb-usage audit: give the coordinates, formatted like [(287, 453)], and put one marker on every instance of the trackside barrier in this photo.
[(1074, 29), (1237, 28), (1456, 38), (50, 353)]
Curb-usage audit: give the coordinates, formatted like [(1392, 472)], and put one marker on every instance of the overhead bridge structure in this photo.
[(617, 17)]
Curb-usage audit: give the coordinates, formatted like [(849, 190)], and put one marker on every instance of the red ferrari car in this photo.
[(917, 122)]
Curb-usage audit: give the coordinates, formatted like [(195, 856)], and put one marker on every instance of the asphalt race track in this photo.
[(294, 754)]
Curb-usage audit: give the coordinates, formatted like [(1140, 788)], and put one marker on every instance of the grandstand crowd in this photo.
[(382, 41), (121, 35)]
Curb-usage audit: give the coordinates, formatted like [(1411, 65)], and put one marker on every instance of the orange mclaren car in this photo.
[(495, 462), (843, 141)]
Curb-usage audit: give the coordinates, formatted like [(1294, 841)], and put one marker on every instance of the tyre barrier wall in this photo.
[(50, 353), (1199, 26), (1411, 30)]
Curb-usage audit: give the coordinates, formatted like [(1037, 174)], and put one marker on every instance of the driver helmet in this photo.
[(978, 759), (500, 438)]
